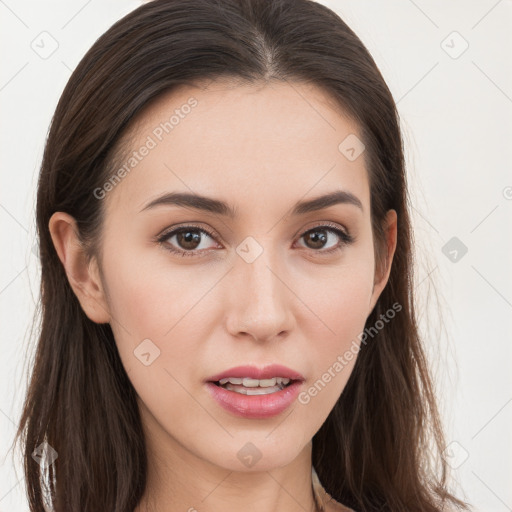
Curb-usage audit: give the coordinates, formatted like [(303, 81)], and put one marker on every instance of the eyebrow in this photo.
[(218, 207)]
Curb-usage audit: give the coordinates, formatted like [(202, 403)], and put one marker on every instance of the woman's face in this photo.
[(253, 279)]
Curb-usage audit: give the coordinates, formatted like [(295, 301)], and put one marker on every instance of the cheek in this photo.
[(340, 298), (147, 294), (152, 300), (153, 306), (348, 305), (341, 308)]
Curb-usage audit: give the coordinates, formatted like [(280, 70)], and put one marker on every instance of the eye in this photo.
[(189, 240), (325, 235)]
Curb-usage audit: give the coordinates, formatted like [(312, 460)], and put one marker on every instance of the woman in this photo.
[(227, 301)]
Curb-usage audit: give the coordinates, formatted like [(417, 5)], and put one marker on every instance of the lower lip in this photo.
[(255, 406)]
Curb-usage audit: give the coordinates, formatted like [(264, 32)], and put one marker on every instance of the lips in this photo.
[(254, 392), (253, 372)]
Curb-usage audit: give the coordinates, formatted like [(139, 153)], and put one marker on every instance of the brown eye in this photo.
[(317, 238), (188, 240)]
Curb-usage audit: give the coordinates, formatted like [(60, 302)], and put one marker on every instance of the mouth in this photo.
[(253, 392), (249, 386)]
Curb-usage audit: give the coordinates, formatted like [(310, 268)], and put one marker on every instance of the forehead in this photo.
[(252, 145)]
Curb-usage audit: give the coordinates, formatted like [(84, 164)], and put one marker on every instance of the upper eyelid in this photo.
[(329, 224), (325, 223), (166, 233)]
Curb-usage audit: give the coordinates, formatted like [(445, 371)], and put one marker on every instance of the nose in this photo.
[(260, 299)]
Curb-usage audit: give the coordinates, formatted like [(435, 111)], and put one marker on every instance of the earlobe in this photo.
[(382, 276), (83, 276)]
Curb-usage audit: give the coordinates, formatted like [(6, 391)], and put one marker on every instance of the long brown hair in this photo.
[(380, 447)]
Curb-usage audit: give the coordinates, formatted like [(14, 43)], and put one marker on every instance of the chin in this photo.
[(250, 451)]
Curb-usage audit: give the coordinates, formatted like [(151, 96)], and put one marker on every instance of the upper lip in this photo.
[(253, 372)]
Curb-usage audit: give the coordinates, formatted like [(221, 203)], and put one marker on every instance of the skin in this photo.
[(261, 149)]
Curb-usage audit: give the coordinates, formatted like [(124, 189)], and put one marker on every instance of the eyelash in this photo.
[(346, 238)]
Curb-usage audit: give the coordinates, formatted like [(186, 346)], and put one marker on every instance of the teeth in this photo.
[(233, 380), (250, 383), (252, 391), (254, 383)]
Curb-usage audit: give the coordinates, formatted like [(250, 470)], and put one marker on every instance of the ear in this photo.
[(83, 276), (384, 269)]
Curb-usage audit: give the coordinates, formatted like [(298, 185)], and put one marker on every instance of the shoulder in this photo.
[(333, 506), (326, 501)]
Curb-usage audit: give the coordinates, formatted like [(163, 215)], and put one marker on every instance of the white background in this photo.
[(457, 120)]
